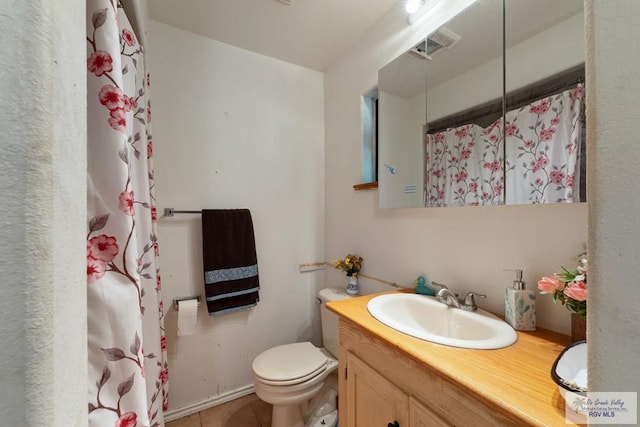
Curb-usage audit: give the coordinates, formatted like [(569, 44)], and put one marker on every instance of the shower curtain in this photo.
[(464, 166), (128, 370), (543, 149)]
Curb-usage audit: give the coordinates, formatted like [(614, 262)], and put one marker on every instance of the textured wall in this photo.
[(613, 111), (42, 176), (234, 129)]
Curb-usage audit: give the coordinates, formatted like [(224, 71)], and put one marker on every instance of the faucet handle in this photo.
[(470, 301), (438, 286)]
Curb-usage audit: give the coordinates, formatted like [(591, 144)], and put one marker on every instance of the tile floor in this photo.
[(248, 411)]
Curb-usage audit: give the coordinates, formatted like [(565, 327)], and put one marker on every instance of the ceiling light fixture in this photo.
[(412, 6)]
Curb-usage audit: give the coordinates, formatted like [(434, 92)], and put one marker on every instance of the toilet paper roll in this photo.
[(187, 317)]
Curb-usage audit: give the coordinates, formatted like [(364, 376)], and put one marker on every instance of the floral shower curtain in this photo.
[(127, 349), (543, 147), (464, 166)]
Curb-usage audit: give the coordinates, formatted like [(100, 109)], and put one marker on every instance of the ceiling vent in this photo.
[(442, 38)]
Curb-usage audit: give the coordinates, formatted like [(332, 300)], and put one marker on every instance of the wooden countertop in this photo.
[(516, 378)]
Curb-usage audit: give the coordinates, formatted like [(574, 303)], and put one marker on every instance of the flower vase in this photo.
[(352, 285), (578, 328)]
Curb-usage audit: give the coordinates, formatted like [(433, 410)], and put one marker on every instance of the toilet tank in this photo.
[(330, 319)]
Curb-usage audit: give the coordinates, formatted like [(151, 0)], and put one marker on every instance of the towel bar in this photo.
[(172, 211)]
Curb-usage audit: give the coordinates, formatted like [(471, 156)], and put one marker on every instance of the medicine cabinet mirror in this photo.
[(443, 105)]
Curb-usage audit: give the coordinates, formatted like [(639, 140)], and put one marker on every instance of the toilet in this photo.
[(289, 376)]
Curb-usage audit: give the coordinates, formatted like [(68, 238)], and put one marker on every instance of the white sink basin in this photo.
[(424, 317)]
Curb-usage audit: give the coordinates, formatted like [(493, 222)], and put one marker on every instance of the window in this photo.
[(370, 136)]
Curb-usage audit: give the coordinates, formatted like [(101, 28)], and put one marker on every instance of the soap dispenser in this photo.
[(520, 305)]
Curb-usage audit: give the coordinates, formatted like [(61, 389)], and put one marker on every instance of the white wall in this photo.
[(613, 329), (463, 92), (43, 356), (400, 124), (233, 129), (467, 248)]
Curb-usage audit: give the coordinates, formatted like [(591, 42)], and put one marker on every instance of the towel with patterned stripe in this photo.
[(230, 263)]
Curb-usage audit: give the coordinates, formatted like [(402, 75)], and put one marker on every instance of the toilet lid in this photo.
[(290, 363)]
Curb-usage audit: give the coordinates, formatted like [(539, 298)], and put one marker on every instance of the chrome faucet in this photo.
[(447, 297)]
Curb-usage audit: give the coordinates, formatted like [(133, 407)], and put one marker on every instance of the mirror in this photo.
[(451, 88)]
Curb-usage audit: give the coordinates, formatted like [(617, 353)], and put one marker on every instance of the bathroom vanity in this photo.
[(387, 378)]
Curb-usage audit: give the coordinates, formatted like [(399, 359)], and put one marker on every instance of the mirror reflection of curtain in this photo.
[(464, 166), (543, 149)]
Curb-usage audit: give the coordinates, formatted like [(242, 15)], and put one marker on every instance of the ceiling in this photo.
[(480, 27), (309, 33)]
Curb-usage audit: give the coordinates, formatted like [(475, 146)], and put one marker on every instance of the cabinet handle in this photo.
[(394, 424)]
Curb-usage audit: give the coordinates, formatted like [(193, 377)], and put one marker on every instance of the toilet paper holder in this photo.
[(177, 300)]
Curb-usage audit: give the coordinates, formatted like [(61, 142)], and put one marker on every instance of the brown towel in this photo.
[(229, 260)]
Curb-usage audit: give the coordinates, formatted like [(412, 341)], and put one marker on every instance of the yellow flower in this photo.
[(351, 264)]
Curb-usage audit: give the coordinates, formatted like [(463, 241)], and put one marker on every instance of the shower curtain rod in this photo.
[(171, 211)]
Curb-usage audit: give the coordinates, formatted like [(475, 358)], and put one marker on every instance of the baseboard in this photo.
[(193, 408)]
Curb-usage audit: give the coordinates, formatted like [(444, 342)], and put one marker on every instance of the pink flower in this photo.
[(528, 144), (473, 186), (118, 120), (149, 148), (540, 163), (437, 173), (547, 134), (462, 132), (129, 419), (103, 248), (493, 137), (156, 248), (100, 62), (550, 284), (540, 108), (461, 176), (148, 113), (163, 376), (163, 343), (465, 154), (557, 177), (493, 166), (570, 181), (498, 189), (555, 121), (95, 269), (129, 103), (126, 202), (148, 79), (154, 214), (111, 97), (439, 137), (538, 182), (158, 282), (576, 291), (511, 130), (128, 37), (165, 403)]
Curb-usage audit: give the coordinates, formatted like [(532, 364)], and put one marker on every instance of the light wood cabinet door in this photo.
[(421, 416), (373, 400)]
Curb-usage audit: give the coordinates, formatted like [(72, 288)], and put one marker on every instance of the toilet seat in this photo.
[(289, 364)]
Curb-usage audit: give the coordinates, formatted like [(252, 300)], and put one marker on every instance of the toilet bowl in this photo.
[(289, 376)]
